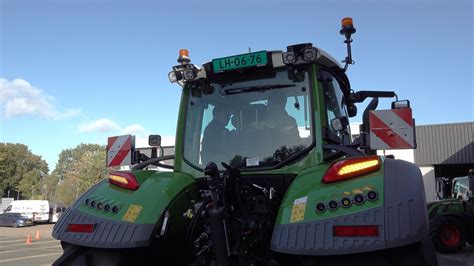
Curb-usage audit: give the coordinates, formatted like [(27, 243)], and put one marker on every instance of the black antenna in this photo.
[(347, 30)]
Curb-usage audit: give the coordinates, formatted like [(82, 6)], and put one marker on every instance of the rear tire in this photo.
[(448, 234)]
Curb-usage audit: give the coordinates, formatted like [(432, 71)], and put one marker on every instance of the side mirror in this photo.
[(154, 140), (401, 104)]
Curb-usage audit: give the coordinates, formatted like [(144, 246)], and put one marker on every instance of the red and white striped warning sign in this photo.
[(391, 129), (119, 150)]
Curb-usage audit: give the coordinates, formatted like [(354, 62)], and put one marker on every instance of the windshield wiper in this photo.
[(261, 88)]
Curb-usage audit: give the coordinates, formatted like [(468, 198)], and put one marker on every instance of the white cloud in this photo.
[(134, 129), (102, 125), (18, 97)]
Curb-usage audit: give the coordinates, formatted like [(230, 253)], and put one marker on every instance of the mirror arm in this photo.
[(360, 96)]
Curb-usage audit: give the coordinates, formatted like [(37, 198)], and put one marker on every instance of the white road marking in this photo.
[(29, 249), (9, 241), (34, 243), (31, 257)]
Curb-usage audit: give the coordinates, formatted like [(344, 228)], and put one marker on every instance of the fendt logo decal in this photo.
[(391, 129), (119, 150)]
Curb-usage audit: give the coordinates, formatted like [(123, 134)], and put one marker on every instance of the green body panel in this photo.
[(157, 190), (308, 184), (311, 169), (451, 206)]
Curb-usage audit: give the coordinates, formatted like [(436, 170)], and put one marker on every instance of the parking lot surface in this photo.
[(15, 251)]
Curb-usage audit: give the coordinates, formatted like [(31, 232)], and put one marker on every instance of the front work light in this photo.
[(345, 169), (310, 54), (289, 58), (172, 77), (188, 74)]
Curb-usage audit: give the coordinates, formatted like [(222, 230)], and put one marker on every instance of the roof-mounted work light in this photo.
[(289, 58), (347, 29), (310, 54)]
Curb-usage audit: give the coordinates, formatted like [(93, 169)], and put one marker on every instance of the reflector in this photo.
[(80, 228), (356, 230)]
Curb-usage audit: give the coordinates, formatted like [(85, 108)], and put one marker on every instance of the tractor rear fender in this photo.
[(138, 214), (446, 207), (399, 213)]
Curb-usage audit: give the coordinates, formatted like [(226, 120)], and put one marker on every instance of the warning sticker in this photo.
[(299, 207), (252, 162), (132, 213)]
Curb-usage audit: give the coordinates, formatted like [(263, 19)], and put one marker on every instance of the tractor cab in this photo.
[(461, 188)]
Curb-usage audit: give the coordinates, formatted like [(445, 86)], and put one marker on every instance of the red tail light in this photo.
[(350, 168), (80, 228), (357, 230), (124, 179)]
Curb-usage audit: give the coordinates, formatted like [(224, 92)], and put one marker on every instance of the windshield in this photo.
[(257, 123)]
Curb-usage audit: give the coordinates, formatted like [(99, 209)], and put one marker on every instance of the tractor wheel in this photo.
[(448, 234)]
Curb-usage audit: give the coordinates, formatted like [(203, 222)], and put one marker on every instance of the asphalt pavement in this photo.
[(14, 250)]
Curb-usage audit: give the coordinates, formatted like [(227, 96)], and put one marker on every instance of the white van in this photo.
[(37, 210)]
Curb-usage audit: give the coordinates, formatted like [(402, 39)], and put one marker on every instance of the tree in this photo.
[(77, 170), (21, 170)]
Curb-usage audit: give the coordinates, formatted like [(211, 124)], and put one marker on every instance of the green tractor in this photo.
[(265, 172), (452, 220)]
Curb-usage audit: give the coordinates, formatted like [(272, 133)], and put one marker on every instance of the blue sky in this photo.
[(79, 71)]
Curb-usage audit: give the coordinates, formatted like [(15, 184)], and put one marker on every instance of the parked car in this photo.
[(14, 219)]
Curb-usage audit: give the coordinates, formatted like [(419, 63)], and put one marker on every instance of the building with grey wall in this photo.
[(444, 151)]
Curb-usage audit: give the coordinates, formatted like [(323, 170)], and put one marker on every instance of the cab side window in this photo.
[(334, 103)]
